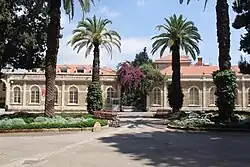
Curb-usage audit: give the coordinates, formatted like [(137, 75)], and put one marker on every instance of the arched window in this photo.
[(194, 96), (110, 95), (73, 95), (212, 96), (35, 95), (56, 95), (17, 95), (157, 96)]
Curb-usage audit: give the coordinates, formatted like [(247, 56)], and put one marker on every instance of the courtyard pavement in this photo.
[(140, 142)]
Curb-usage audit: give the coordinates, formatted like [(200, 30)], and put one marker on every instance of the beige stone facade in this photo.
[(24, 91)]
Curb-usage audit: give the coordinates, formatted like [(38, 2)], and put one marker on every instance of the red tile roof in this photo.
[(72, 69), (168, 58), (197, 70)]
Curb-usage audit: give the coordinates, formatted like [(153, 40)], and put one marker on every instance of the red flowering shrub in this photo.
[(129, 76)]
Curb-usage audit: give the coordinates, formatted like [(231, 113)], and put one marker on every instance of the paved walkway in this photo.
[(139, 142)]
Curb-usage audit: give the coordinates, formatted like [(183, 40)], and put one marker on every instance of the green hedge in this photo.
[(48, 123), (225, 82), (53, 125), (94, 97)]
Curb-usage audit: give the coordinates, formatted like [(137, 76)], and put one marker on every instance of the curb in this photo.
[(51, 130), (194, 129)]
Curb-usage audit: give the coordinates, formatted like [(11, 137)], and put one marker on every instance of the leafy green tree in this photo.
[(54, 27), (23, 34), (142, 58), (178, 33), (92, 34)]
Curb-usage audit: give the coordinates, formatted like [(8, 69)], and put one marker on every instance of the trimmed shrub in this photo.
[(192, 120), (171, 96), (94, 97), (225, 82), (43, 122)]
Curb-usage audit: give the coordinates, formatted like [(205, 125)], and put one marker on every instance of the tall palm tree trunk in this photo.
[(176, 76), (223, 34), (51, 54), (96, 64)]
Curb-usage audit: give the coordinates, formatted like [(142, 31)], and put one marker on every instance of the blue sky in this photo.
[(135, 20)]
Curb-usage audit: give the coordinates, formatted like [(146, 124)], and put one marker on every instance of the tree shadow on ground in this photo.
[(157, 123), (184, 149)]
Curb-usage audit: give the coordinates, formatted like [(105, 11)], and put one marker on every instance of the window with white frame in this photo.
[(157, 96), (110, 95), (56, 96), (193, 96), (212, 96), (35, 95), (73, 95), (17, 95)]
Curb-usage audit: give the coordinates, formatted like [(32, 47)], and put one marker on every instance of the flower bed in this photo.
[(34, 121), (198, 121)]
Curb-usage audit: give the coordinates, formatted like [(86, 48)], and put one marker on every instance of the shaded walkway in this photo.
[(140, 142), (184, 149)]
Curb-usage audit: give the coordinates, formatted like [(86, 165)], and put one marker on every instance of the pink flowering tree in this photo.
[(129, 76)]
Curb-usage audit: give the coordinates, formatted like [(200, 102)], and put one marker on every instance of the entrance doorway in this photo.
[(2, 94)]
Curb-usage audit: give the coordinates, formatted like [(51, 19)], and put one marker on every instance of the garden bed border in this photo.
[(201, 129), (51, 130)]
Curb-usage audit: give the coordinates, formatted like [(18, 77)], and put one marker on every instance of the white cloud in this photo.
[(106, 12), (140, 3), (130, 47)]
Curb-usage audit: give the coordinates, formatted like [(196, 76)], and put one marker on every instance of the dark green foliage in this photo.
[(26, 115), (142, 58), (225, 82), (153, 77), (171, 94), (94, 97), (129, 98), (244, 66), (242, 20), (23, 35), (89, 123)]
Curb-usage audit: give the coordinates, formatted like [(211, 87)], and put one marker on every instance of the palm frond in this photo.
[(177, 28), (93, 31), (69, 6)]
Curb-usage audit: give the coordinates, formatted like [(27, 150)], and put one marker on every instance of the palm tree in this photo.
[(92, 34), (53, 45), (178, 34), (223, 32)]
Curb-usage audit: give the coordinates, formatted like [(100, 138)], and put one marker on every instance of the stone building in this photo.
[(25, 90)]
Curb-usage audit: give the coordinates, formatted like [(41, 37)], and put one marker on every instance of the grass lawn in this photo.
[(38, 121)]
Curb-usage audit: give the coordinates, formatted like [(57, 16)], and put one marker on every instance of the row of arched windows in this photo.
[(194, 96), (73, 96)]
